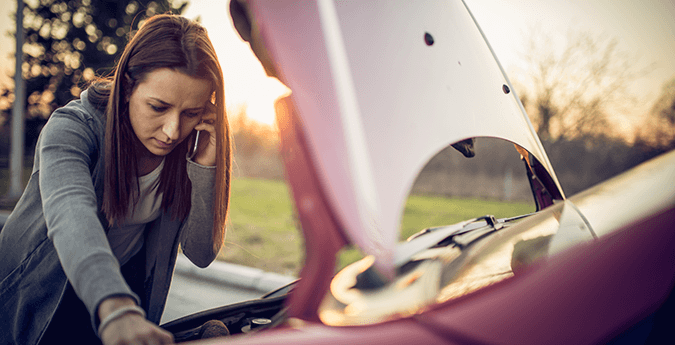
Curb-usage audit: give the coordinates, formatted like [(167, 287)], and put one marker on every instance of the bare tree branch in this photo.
[(578, 90)]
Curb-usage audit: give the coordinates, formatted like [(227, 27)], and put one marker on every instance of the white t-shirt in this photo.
[(127, 238)]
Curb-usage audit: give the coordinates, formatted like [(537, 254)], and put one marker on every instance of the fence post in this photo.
[(16, 156)]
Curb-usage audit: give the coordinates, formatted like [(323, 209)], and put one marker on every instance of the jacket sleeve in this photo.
[(67, 147), (197, 231)]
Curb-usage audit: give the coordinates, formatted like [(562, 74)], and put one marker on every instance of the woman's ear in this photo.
[(127, 87)]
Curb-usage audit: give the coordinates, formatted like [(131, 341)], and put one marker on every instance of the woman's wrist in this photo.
[(110, 304), (204, 160), (197, 164), (118, 313)]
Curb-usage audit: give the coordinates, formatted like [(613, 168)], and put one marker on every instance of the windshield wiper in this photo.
[(463, 234), (465, 238), (430, 237)]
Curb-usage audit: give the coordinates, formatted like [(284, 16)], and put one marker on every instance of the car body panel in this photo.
[(374, 101), (629, 197), (588, 294)]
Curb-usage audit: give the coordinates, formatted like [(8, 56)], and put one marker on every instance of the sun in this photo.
[(260, 104)]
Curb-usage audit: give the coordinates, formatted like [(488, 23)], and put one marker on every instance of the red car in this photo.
[(378, 89)]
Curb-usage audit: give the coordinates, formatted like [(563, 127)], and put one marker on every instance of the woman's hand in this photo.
[(129, 328), (206, 149)]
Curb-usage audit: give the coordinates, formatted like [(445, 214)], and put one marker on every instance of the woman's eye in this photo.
[(158, 109), (193, 114)]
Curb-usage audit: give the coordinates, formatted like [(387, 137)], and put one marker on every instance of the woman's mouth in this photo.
[(162, 144)]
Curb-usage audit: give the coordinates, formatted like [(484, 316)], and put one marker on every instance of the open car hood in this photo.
[(378, 88)]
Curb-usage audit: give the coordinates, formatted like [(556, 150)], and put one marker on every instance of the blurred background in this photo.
[(597, 78)]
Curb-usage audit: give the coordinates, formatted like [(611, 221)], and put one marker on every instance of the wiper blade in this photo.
[(432, 236), (465, 238)]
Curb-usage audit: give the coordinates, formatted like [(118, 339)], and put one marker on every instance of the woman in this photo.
[(89, 250)]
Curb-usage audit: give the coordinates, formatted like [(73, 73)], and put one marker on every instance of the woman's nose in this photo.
[(171, 127)]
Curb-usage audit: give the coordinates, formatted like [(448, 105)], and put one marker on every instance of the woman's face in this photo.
[(165, 107)]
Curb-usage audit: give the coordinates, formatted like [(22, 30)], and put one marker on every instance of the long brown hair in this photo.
[(163, 41)]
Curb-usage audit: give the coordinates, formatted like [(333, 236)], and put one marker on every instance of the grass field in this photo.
[(262, 230)]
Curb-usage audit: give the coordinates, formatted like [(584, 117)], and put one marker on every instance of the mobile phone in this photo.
[(191, 153)]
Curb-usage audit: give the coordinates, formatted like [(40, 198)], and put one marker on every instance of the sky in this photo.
[(644, 29)]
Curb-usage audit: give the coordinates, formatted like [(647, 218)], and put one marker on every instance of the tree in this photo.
[(659, 129), (570, 92), (68, 42)]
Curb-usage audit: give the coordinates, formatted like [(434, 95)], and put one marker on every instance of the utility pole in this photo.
[(16, 156)]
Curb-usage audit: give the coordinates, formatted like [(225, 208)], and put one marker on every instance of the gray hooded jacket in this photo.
[(57, 233)]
